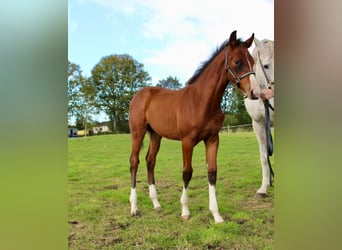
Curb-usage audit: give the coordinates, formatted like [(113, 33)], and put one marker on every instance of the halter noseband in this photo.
[(230, 70)]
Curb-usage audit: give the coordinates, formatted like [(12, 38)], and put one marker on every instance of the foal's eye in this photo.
[(266, 66), (237, 62)]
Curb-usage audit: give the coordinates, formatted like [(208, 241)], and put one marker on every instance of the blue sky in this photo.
[(169, 37)]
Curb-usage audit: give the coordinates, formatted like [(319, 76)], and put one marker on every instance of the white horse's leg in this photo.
[(184, 201), (153, 196), (213, 204), (133, 201), (259, 129)]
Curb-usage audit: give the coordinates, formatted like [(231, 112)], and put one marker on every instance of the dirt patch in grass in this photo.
[(108, 241), (114, 187)]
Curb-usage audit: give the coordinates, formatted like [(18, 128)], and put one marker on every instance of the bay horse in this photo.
[(263, 55), (190, 114)]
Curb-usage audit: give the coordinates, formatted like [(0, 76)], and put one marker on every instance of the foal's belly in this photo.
[(164, 126)]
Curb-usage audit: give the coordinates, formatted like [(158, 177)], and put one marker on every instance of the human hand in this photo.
[(266, 93)]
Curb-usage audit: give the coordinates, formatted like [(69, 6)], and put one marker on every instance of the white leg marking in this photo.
[(213, 204), (184, 201), (153, 196), (133, 200)]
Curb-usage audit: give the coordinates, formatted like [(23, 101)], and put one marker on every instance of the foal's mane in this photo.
[(205, 64)]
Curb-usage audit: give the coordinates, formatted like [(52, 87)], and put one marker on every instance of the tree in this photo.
[(88, 102), (226, 99), (81, 96), (74, 75), (117, 78), (233, 105), (170, 83)]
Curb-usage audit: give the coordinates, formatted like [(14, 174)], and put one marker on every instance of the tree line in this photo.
[(114, 81)]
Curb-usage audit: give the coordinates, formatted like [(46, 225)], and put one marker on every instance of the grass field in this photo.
[(99, 186)]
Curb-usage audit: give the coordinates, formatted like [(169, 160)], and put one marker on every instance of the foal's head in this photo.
[(239, 64)]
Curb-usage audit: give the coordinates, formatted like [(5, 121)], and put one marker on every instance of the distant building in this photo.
[(72, 132), (101, 127), (98, 128)]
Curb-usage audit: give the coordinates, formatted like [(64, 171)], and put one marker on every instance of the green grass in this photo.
[(99, 186)]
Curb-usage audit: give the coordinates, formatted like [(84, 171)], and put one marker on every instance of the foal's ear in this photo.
[(232, 39), (249, 41)]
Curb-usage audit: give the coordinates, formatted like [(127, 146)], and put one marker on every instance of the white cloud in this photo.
[(179, 58), (190, 30), (211, 19)]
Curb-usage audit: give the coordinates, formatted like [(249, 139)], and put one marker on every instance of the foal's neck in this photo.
[(212, 83)]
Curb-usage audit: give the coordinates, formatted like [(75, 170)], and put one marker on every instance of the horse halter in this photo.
[(237, 78)]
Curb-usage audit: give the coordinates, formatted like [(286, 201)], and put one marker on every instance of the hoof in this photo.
[(135, 213), (219, 221), (186, 217), (158, 208), (261, 195)]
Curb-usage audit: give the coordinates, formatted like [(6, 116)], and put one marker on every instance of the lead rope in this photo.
[(269, 140)]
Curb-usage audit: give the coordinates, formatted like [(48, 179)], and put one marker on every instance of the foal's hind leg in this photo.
[(151, 162), (137, 139)]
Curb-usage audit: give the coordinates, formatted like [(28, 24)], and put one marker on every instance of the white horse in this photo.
[(263, 55)]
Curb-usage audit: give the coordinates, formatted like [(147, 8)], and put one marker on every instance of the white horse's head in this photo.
[(263, 55)]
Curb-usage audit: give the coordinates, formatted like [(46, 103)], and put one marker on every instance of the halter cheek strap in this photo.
[(237, 78)]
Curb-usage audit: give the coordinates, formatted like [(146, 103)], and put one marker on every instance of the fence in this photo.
[(237, 128)]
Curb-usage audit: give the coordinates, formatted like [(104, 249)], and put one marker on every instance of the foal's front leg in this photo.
[(211, 146), (187, 149)]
